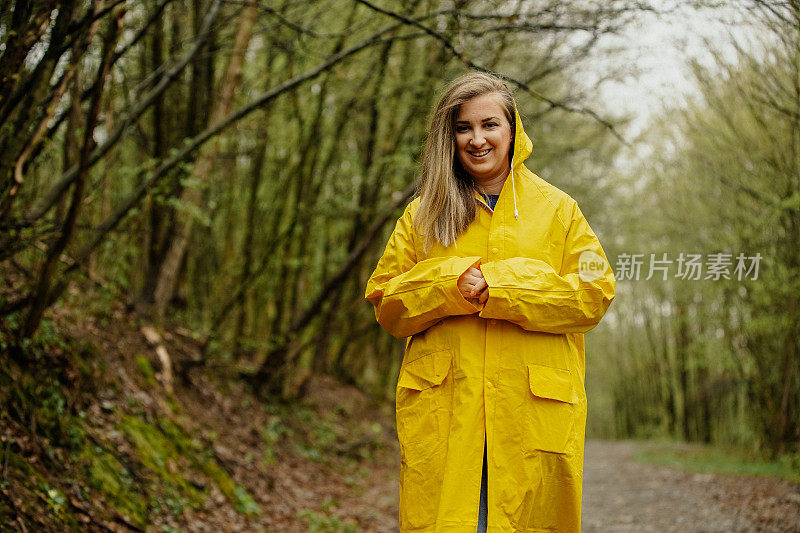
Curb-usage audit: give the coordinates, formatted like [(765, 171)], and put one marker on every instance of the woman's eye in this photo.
[(492, 124), (461, 129)]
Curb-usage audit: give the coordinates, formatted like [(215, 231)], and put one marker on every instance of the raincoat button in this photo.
[(489, 384), (494, 250)]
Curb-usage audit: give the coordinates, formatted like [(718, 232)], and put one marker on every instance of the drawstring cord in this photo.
[(514, 193), (513, 189)]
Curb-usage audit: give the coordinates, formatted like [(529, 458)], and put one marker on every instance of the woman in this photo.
[(494, 300)]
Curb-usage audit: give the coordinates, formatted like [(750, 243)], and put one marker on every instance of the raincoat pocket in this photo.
[(550, 410), (421, 397)]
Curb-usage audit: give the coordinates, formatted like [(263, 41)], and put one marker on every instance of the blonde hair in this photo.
[(447, 206)]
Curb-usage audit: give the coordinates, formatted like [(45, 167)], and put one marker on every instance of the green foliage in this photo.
[(320, 435), (55, 500), (169, 452), (200, 216), (107, 475), (330, 166), (326, 522), (163, 457), (310, 452), (272, 433), (703, 360), (146, 369), (717, 460), (103, 297), (321, 440), (244, 502), (42, 396)]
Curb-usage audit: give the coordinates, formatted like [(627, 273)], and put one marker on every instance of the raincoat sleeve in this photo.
[(409, 295), (531, 294)]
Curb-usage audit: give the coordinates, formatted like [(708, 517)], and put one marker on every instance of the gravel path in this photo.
[(622, 495)]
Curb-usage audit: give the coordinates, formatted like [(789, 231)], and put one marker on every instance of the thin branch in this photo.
[(469, 63), (191, 146), (316, 306), (139, 108), (297, 28), (40, 299)]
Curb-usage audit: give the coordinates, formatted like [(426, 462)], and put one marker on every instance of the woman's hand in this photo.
[(473, 285)]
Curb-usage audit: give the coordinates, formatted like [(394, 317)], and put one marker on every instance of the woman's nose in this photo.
[(478, 140)]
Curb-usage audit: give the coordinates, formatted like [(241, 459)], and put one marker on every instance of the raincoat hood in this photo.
[(523, 145)]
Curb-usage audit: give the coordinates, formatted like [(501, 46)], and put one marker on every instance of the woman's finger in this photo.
[(484, 295), (467, 281), (478, 287), (471, 282), (466, 289)]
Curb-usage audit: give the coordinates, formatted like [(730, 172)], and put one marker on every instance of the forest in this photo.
[(194, 193)]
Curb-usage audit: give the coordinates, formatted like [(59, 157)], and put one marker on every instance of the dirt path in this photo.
[(622, 495)]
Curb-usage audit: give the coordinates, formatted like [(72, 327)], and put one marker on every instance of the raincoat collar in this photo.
[(523, 148)]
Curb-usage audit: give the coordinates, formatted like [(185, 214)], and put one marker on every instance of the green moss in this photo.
[(159, 477), (244, 502), (236, 494), (108, 476), (24, 468), (146, 369), (159, 454), (33, 482), (164, 448), (204, 461)]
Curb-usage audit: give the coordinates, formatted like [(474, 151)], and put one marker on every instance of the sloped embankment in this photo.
[(91, 441)]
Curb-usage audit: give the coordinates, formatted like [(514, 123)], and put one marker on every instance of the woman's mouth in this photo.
[(480, 153)]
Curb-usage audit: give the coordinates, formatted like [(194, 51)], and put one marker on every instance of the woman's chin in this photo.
[(481, 172)]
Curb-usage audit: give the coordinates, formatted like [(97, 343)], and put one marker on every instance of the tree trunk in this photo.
[(192, 196), (41, 295)]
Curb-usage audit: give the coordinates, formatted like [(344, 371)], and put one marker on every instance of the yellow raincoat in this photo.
[(512, 367)]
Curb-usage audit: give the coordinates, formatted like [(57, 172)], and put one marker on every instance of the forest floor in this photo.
[(97, 444)]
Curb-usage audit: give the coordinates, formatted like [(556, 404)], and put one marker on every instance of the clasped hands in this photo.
[(473, 286)]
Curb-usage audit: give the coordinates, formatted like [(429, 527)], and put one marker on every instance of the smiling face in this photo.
[(483, 138)]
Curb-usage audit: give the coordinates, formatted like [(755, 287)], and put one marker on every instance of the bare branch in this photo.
[(138, 109), (191, 146), (469, 63)]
